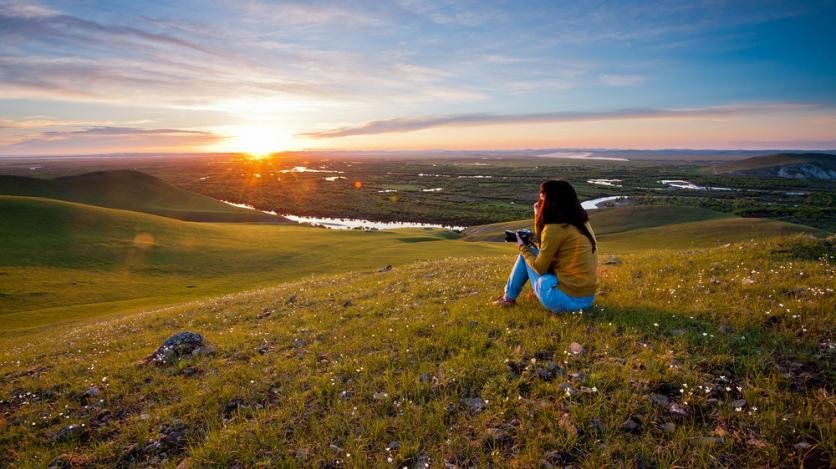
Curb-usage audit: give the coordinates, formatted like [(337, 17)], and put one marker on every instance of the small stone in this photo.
[(347, 303), (677, 409), (497, 436), (631, 425), (346, 395), (298, 342), (678, 332), (802, 446), (393, 446), (576, 348), (725, 329), (556, 459), (70, 433), (385, 268), (176, 347), (263, 348), (475, 404), (711, 440), (425, 378), (264, 314), (738, 404), (422, 461), (566, 388), (90, 394), (379, 396), (547, 371), (817, 458), (660, 399), (612, 260)]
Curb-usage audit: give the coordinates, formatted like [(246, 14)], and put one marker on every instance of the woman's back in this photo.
[(573, 259)]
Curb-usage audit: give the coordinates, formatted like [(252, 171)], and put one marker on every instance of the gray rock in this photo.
[(385, 268), (576, 348), (660, 399), (70, 433), (547, 371), (632, 425), (677, 409), (393, 446), (475, 404), (668, 427), (178, 346), (739, 403), (346, 395), (90, 394), (612, 260), (566, 388)]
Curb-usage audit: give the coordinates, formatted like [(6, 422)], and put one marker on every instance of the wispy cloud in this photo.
[(413, 124), (110, 139)]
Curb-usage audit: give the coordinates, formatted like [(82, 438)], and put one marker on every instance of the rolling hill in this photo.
[(67, 261), (785, 165), (642, 227), (132, 190)]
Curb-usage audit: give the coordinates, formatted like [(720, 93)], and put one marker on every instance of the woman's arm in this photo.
[(550, 240)]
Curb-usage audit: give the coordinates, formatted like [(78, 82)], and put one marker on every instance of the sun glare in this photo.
[(259, 142)]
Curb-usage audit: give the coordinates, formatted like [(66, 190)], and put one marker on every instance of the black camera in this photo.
[(525, 235)]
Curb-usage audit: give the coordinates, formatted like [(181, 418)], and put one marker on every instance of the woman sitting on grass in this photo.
[(563, 271)]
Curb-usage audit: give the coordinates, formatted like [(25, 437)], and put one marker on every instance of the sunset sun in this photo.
[(258, 142)]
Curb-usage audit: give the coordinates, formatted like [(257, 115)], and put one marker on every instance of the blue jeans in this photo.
[(544, 286)]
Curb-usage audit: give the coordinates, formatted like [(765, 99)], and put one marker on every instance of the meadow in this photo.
[(710, 343), (704, 357)]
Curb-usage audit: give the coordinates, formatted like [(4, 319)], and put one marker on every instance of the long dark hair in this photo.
[(561, 205)]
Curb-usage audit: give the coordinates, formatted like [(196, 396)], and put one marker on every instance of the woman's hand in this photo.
[(520, 242)]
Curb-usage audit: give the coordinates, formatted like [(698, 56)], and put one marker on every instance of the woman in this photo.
[(563, 271)]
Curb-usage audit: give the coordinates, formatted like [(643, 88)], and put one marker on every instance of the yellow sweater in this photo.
[(567, 253)]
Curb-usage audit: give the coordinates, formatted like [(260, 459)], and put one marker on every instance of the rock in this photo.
[(578, 375), (347, 303), (172, 438), (425, 378), (556, 459), (612, 260), (711, 440), (190, 371), (497, 436), (802, 446), (385, 268), (678, 332), (232, 406), (393, 446), (632, 425), (660, 399), (738, 404), (547, 371), (299, 342), (677, 410), (379, 396), (178, 346), (264, 314), (290, 300), (576, 348), (475, 404), (89, 395), (566, 388), (70, 433), (422, 461), (264, 347), (346, 395)]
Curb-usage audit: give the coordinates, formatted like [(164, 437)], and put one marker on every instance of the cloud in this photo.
[(421, 123), (108, 139)]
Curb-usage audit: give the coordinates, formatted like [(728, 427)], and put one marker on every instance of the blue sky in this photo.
[(108, 76)]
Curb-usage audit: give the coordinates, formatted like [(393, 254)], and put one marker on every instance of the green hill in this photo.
[(723, 358), (67, 261), (131, 190), (633, 227), (790, 165)]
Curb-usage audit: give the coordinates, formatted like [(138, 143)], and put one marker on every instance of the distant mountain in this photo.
[(785, 165), (131, 190)]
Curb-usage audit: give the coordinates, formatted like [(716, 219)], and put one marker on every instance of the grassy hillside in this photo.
[(771, 163), (131, 190), (65, 261), (714, 357), (658, 227)]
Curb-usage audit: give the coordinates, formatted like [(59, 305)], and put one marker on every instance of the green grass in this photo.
[(64, 261), (659, 227), (131, 190), (353, 362)]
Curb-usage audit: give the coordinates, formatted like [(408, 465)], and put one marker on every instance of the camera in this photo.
[(525, 235)]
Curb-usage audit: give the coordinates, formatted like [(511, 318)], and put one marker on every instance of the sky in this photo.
[(95, 77)]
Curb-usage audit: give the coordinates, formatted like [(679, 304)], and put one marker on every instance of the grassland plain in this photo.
[(691, 358), (64, 261)]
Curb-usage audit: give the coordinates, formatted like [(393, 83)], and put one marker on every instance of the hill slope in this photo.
[(642, 227), (131, 190), (786, 165), (723, 360), (66, 261)]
